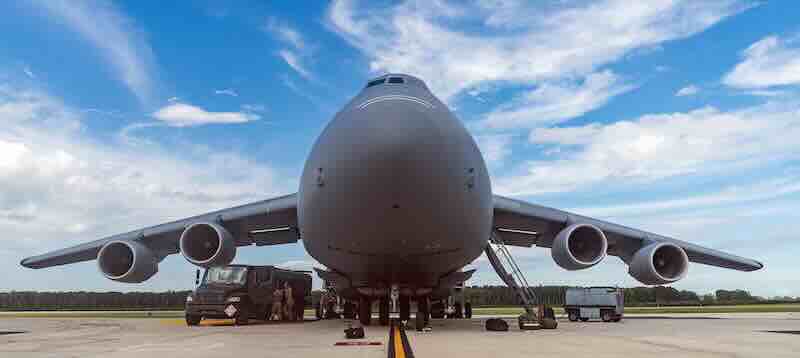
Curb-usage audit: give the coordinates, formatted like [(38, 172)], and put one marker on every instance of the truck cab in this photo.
[(244, 292)]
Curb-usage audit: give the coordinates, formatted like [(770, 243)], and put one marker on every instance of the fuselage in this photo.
[(395, 190)]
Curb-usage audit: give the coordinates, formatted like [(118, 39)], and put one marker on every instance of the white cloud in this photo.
[(494, 147), (114, 35), (531, 43), (658, 146), (554, 102), (771, 61), (186, 115), (55, 181), (227, 92), (689, 90)]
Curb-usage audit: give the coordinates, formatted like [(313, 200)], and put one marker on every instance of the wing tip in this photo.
[(26, 262)]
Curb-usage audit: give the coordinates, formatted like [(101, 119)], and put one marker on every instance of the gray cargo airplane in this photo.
[(395, 196)]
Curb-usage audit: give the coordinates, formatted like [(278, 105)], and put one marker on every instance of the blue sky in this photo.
[(678, 117)]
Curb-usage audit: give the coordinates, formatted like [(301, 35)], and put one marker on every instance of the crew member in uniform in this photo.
[(290, 314), (277, 304)]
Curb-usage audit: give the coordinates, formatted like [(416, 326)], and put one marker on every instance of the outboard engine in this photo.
[(659, 263), (127, 261), (207, 244), (579, 246)]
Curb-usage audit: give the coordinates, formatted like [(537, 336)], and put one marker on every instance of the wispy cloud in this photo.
[(771, 61), (296, 50), (689, 90), (28, 72), (293, 61), (227, 92), (552, 102), (187, 115), (114, 35)]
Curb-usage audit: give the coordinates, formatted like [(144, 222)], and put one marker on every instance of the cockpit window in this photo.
[(376, 82), (396, 80)]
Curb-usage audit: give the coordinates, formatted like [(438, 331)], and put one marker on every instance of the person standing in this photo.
[(277, 304), (289, 302)]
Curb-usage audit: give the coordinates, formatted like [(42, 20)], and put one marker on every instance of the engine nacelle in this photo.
[(207, 244), (659, 263), (579, 246), (127, 261)]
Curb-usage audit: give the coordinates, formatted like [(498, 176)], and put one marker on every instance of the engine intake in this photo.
[(127, 261), (659, 263), (207, 244), (579, 246)]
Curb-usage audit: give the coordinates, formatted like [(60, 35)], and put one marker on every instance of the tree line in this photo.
[(477, 295)]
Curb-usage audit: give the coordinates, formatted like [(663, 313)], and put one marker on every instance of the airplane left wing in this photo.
[(524, 224), (266, 222)]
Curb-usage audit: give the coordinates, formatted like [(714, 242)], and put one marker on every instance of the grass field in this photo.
[(756, 308)]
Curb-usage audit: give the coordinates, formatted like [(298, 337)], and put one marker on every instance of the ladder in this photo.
[(515, 279)]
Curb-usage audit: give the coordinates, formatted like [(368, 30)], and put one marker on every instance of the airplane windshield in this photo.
[(226, 275)]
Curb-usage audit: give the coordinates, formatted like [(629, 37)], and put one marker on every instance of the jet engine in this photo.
[(579, 246), (659, 263), (127, 261), (207, 244)]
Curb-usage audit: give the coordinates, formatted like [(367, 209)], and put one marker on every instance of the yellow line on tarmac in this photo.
[(399, 350)]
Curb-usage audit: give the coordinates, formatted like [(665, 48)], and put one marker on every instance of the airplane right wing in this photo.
[(216, 234), (520, 223)]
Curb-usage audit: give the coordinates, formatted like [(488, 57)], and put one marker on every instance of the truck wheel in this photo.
[(605, 316), (244, 315), (193, 320), (618, 319), (573, 316), (468, 310)]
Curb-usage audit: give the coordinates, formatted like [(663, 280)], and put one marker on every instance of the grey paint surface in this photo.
[(395, 190)]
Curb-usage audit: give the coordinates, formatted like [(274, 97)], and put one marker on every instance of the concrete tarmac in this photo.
[(721, 335)]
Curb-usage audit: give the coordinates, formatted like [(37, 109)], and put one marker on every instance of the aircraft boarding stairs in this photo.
[(500, 258)]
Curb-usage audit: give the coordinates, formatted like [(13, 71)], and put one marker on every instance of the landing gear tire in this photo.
[(422, 313), (573, 317), (365, 311), (405, 308), (243, 317), (193, 320), (420, 321), (383, 312), (468, 310), (459, 312), (348, 310), (437, 310)]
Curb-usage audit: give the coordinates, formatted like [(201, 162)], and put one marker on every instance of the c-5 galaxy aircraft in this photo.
[(394, 197)]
